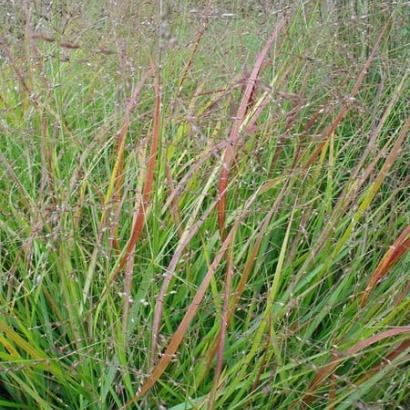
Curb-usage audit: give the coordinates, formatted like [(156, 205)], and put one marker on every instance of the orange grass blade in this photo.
[(149, 179), (186, 321), (327, 370), (115, 186), (351, 194), (185, 239), (178, 335), (170, 273), (400, 246), (386, 360), (139, 217)]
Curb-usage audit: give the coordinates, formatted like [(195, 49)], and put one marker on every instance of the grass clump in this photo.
[(204, 205)]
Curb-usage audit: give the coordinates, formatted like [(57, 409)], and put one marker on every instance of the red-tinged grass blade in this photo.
[(363, 344), (391, 257), (142, 205), (206, 154), (332, 388), (196, 164), (348, 102), (187, 236), (117, 177), (235, 130), (178, 335), (374, 187), (192, 226), (349, 196), (327, 370), (184, 325), (139, 217), (249, 264), (386, 360), (149, 179)]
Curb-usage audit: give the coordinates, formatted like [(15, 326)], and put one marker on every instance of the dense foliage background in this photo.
[(204, 204)]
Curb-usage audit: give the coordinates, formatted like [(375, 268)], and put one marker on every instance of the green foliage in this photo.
[(310, 215)]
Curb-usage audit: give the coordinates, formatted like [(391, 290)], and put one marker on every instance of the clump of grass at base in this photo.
[(178, 233)]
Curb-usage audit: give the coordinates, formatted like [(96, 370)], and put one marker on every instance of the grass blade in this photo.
[(229, 153)]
